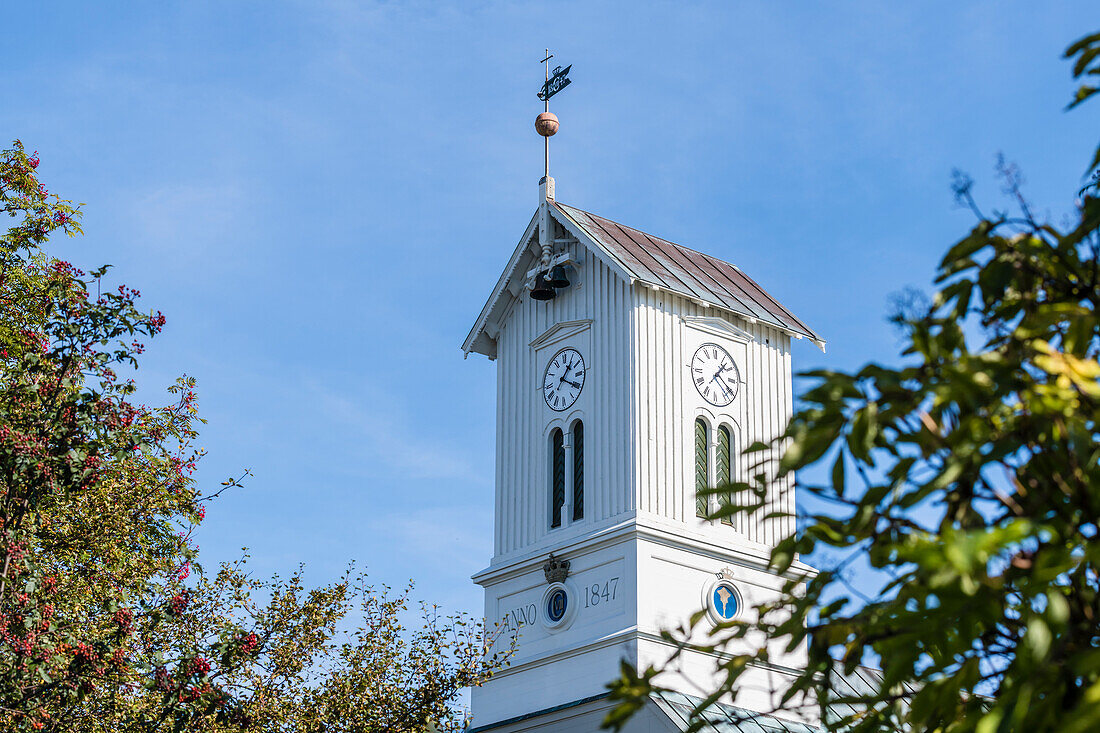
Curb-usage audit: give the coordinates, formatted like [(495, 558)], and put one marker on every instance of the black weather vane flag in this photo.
[(555, 82)]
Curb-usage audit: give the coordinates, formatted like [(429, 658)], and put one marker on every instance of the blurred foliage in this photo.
[(970, 478), (107, 620)]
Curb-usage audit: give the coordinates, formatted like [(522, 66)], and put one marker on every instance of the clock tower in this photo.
[(631, 374)]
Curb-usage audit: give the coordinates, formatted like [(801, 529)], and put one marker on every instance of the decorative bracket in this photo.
[(562, 258)]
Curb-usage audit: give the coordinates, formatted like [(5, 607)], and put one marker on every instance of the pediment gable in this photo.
[(559, 332), (716, 326), (513, 282)]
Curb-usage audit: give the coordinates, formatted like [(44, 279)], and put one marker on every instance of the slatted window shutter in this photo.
[(701, 467), (558, 480), (578, 470), (722, 468)]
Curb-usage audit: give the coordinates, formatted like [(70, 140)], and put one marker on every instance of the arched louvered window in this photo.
[(701, 467), (578, 470), (557, 479), (722, 468)]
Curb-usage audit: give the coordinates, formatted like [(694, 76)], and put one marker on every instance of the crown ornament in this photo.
[(555, 569), (725, 573)]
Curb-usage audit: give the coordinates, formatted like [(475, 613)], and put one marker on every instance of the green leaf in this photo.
[(864, 430), (1038, 637), (838, 473)]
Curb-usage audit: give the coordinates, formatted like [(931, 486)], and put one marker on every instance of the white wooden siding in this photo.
[(522, 483), (667, 406), (637, 404)]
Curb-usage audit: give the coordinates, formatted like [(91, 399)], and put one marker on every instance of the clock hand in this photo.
[(567, 381)]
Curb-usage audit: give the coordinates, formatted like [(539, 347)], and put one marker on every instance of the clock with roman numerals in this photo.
[(714, 374), (563, 380)]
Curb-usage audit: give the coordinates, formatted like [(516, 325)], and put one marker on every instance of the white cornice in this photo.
[(629, 634), (623, 636), (739, 551)]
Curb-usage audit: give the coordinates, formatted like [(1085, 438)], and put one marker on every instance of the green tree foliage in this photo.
[(970, 477), (107, 621)]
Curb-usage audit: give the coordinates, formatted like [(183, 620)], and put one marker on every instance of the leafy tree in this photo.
[(107, 621), (970, 477)]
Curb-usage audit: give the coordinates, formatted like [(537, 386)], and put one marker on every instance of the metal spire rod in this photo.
[(546, 124), (546, 108)]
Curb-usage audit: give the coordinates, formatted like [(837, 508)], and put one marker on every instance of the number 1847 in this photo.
[(596, 594)]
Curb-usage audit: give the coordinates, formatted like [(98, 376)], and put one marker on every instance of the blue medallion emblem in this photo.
[(724, 601), (557, 604)]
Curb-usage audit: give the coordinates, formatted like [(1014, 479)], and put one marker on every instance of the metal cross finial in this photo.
[(546, 63), (546, 108)]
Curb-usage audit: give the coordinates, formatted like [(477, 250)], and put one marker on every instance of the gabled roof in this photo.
[(699, 276), (642, 258)]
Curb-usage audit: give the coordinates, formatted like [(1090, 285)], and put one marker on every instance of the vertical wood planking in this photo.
[(500, 478), (774, 407), (752, 419), (788, 410), (663, 420), (520, 501), (629, 323), (639, 412)]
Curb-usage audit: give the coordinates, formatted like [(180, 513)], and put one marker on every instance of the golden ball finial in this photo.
[(546, 124)]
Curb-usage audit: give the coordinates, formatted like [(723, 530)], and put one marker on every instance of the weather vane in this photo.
[(546, 124), (556, 82)]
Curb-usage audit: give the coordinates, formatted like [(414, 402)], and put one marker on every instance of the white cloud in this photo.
[(460, 534), (445, 545), (389, 437), (187, 218)]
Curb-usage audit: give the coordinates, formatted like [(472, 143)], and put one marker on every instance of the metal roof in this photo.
[(647, 260), (848, 692), (722, 718), (673, 267)]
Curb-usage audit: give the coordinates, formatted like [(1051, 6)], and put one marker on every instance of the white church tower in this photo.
[(631, 372)]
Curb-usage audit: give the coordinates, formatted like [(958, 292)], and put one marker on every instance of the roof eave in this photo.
[(683, 272), (747, 317), (472, 339), (478, 341)]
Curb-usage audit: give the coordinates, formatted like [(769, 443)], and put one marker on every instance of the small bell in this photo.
[(542, 290), (557, 277)]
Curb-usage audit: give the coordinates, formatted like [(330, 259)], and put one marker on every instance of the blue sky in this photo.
[(320, 196)]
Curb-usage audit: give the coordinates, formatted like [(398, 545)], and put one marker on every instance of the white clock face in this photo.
[(563, 380), (714, 374)]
